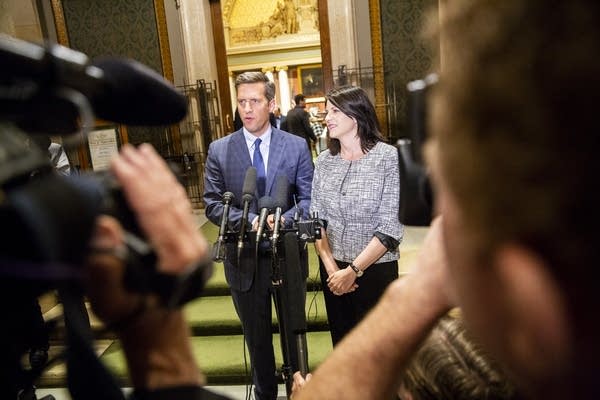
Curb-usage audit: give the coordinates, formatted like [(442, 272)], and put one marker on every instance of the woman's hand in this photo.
[(342, 281)]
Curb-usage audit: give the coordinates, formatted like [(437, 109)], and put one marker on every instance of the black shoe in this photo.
[(38, 358)]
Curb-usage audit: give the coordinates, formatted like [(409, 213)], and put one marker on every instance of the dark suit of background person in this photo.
[(228, 160), (297, 121)]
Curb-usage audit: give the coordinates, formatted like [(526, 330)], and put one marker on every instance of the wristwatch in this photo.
[(358, 271)]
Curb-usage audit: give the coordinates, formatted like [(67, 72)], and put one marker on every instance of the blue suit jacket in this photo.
[(225, 169)]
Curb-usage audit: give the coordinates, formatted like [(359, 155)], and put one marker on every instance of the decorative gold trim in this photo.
[(377, 51), (167, 64), (59, 23), (163, 39)]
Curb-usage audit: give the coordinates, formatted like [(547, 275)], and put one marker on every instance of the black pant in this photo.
[(345, 312), (254, 310)]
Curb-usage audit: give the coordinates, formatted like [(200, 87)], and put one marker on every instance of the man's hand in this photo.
[(299, 382), (161, 206)]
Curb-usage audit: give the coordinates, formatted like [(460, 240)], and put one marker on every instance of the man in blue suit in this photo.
[(277, 153)]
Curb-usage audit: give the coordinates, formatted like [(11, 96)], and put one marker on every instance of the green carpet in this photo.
[(217, 335), (221, 358), (217, 341)]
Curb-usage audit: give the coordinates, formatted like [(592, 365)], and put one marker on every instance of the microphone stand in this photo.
[(219, 248), (242, 235), (289, 296)]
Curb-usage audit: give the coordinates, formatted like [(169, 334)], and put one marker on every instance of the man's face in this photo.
[(254, 108)]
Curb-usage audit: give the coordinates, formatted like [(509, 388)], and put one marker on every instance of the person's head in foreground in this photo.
[(451, 365), (514, 157)]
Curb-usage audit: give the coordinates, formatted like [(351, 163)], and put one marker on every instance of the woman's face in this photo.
[(339, 125)]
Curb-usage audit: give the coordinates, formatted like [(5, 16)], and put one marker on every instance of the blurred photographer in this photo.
[(155, 338), (124, 238)]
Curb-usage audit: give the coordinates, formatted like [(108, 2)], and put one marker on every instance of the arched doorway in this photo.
[(282, 38)]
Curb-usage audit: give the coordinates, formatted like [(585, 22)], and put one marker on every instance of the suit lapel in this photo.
[(239, 150), (276, 157)]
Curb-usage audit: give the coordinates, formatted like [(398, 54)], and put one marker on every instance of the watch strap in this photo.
[(356, 270)]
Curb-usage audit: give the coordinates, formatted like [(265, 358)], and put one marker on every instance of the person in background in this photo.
[(317, 126), (56, 153), (355, 191), (297, 121), (272, 152), (59, 159), (512, 152), (279, 118), (237, 121)]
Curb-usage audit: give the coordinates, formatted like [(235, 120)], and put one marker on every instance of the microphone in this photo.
[(281, 196), (219, 249), (247, 195), (120, 90), (265, 204)]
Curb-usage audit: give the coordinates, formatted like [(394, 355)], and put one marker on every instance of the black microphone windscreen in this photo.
[(281, 191), (266, 202), (134, 94), (45, 114), (228, 197), (249, 182)]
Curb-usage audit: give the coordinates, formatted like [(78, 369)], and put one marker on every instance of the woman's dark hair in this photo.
[(354, 102)]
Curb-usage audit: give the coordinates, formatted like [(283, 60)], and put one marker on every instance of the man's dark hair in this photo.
[(256, 77), (298, 98)]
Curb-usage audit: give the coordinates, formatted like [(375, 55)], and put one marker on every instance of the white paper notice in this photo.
[(103, 146)]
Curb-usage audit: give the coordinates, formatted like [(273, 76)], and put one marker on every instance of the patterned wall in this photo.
[(123, 28), (406, 57), (114, 27)]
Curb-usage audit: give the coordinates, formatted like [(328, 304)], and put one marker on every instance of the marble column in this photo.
[(284, 89), (269, 73), (198, 41)]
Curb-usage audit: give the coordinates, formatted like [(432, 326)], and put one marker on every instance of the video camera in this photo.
[(54, 89), (416, 197), (49, 219)]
